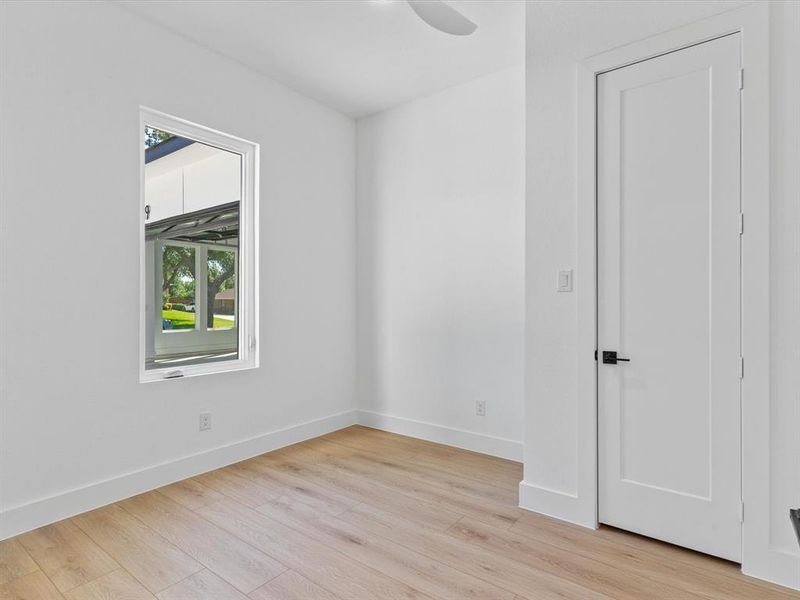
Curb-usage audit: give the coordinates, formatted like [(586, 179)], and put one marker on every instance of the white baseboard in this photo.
[(776, 566), (25, 517), (467, 440), (554, 503)]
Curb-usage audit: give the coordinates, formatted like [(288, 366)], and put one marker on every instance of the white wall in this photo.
[(551, 333), (785, 272), (440, 190), (552, 461), (72, 412)]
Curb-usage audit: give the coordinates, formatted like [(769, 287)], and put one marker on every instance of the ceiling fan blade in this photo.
[(440, 16)]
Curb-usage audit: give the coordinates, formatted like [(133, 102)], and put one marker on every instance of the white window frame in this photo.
[(247, 275)]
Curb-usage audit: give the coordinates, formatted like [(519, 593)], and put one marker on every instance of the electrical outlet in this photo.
[(205, 421), (480, 408)]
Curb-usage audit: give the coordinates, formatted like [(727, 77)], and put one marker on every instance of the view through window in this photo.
[(193, 193)]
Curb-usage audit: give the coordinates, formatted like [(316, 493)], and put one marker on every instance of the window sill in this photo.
[(178, 372)]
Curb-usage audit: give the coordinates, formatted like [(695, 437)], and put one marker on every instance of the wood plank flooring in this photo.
[(359, 514)]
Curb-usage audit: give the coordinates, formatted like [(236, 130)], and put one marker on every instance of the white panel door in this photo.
[(669, 297)]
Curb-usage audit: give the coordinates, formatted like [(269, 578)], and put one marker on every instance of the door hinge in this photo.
[(741, 367), (595, 354), (741, 223), (741, 79), (741, 512)]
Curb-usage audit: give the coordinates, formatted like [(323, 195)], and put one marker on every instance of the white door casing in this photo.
[(669, 287)]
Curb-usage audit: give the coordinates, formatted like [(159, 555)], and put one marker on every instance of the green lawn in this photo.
[(185, 320)]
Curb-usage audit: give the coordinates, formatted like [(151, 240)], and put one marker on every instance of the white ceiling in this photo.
[(357, 56), (364, 56)]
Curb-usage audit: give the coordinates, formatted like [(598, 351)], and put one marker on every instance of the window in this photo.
[(178, 287), (222, 289), (198, 273)]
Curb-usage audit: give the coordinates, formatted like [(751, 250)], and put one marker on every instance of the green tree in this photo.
[(221, 277), (153, 136), (178, 265)]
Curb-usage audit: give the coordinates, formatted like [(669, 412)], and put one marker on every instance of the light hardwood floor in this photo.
[(357, 514)]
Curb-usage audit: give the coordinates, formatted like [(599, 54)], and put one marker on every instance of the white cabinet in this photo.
[(212, 181), (164, 195), (192, 178)]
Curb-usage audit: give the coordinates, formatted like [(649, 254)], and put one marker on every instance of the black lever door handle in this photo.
[(610, 357)]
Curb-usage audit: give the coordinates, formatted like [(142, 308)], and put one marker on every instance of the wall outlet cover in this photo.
[(205, 421)]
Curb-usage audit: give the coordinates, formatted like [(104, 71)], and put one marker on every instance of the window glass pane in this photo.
[(178, 288), (193, 194), (221, 289)]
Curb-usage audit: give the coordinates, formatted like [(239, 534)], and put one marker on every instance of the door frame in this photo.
[(752, 23), (702, 499)]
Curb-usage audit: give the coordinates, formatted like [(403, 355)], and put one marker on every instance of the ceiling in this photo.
[(357, 56)]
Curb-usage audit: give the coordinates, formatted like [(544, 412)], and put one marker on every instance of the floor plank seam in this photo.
[(205, 566)]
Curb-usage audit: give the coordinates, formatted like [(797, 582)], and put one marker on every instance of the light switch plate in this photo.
[(565, 281)]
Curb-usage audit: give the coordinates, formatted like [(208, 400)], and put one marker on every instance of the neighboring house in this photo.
[(225, 302)]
